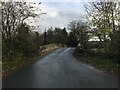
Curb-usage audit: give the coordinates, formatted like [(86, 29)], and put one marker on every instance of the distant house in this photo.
[(93, 42), (94, 38)]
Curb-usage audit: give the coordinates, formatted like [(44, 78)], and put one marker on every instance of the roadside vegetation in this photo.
[(21, 44), (98, 61), (103, 53), (16, 63)]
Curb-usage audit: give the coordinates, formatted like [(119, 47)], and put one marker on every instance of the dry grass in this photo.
[(10, 66)]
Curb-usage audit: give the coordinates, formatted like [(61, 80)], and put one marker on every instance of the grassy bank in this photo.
[(12, 64), (102, 63)]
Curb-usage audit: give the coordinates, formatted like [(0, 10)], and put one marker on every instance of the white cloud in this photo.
[(53, 14), (57, 15)]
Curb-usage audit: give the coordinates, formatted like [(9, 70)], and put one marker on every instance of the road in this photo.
[(60, 69)]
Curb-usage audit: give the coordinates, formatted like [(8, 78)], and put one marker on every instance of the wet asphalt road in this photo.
[(60, 69)]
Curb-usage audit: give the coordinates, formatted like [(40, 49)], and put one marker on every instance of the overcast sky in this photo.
[(59, 14)]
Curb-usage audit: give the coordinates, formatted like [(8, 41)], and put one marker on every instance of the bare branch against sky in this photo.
[(60, 11)]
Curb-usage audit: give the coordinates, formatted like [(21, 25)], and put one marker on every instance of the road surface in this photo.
[(60, 69)]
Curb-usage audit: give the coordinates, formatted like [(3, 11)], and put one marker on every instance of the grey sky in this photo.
[(59, 14), (63, 12)]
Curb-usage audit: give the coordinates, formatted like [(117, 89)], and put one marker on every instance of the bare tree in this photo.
[(80, 29), (103, 16), (13, 14)]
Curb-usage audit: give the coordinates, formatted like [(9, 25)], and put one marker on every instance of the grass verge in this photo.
[(99, 62), (12, 65)]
